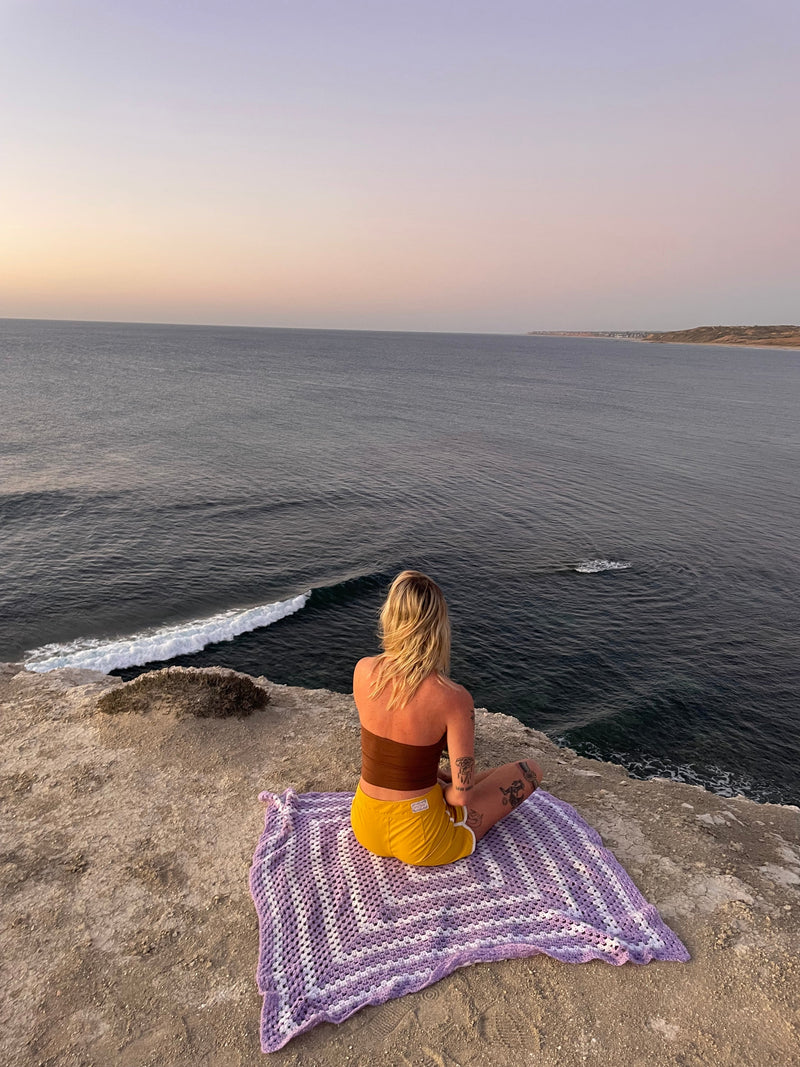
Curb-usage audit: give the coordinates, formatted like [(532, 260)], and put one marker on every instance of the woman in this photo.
[(409, 711)]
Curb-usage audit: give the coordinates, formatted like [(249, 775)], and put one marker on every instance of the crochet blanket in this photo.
[(340, 928)]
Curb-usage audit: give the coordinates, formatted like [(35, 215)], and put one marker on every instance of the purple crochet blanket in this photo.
[(340, 928)]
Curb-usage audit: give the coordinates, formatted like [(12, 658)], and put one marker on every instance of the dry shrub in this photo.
[(206, 692)]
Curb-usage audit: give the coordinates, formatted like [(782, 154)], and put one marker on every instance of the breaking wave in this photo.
[(163, 643), (595, 566)]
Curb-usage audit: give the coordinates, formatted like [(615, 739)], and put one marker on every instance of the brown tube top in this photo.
[(395, 765)]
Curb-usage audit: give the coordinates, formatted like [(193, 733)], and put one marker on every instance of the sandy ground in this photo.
[(129, 937)]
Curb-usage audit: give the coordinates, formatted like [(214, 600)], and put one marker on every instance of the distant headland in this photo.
[(757, 336)]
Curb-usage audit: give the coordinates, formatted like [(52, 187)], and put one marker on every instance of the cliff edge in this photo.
[(130, 816)]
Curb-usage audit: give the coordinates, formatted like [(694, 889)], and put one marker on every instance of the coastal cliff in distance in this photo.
[(754, 336), (778, 336), (129, 936)]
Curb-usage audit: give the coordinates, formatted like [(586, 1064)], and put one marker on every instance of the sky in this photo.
[(499, 166)]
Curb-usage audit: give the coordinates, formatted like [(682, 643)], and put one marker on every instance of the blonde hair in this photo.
[(415, 636)]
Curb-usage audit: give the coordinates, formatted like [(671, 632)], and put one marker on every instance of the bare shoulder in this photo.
[(366, 663), (458, 699), (364, 668)]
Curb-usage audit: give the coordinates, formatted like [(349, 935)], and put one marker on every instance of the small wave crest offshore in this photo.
[(595, 566), (162, 643)]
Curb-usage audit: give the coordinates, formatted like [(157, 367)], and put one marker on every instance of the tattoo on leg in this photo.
[(466, 765), (474, 819), (528, 774), (513, 795)]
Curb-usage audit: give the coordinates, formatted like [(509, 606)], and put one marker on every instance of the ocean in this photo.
[(616, 525)]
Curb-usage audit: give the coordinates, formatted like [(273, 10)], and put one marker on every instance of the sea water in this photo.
[(616, 525)]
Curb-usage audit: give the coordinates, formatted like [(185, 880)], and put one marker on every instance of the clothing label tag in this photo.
[(420, 805)]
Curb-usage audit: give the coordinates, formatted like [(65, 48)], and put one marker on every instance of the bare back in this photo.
[(430, 713)]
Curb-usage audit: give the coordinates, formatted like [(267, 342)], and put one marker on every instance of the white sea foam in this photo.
[(708, 776), (595, 566), (163, 643)]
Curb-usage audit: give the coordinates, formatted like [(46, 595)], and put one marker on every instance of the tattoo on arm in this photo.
[(528, 774), (466, 765)]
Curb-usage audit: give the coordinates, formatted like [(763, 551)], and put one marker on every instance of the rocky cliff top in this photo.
[(130, 816)]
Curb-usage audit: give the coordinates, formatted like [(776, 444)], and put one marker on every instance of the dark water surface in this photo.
[(159, 480)]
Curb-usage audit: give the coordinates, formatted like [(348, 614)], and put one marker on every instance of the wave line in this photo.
[(161, 644)]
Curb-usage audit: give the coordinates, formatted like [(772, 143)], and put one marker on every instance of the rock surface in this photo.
[(129, 937)]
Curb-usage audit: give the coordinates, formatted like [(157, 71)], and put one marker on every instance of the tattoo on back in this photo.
[(513, 795), (528, 774)]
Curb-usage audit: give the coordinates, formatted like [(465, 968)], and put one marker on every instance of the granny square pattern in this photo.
[(340, 928)]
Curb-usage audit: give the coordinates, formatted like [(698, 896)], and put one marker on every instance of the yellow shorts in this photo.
[(425, 831)]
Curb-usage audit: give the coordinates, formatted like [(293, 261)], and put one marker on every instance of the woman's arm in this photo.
[(461, 746)]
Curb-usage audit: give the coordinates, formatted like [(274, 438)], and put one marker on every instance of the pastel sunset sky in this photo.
[(501, 166)]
